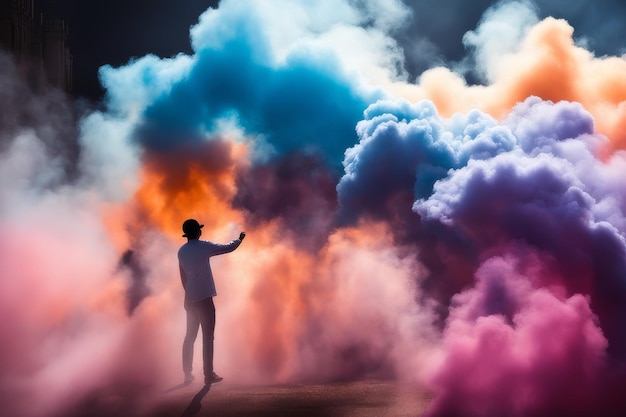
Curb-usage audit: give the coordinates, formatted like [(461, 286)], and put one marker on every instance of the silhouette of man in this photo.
[(197, 280)]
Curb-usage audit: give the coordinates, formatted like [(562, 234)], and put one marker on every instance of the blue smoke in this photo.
[(304, 102)]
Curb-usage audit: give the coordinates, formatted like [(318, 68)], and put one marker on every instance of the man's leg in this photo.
[(206, 315), (190, 337)]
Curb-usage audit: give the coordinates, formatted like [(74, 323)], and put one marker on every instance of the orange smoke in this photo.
[(283, 310), (198, 182), (548, 65)]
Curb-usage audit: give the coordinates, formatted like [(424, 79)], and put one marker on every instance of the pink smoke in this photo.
[(511, 347)]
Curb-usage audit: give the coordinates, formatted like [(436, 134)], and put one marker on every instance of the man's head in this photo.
[(192, 229)]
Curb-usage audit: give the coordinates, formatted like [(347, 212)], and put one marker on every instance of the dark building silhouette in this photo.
[(39, 43)]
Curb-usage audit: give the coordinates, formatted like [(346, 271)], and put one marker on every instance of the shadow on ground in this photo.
[(195, 405)]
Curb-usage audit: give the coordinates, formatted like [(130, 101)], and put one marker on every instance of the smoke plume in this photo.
[(468, 237)]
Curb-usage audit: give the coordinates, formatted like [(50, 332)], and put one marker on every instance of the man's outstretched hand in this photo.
[(242, 235)]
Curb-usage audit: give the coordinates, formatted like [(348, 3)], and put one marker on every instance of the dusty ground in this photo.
[(354, 399)]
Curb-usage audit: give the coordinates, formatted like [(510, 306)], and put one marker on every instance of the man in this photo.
[(197, 279)]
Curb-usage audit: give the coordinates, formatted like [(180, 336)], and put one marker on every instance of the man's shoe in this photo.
[(189, 379), (212, 379)]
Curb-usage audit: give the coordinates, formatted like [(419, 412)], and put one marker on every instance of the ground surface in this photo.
[(362, 399)]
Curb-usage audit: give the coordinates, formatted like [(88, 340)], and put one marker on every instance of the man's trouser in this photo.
[(201, 313)]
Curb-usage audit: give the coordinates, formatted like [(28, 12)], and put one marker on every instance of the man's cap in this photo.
[(191, 227)]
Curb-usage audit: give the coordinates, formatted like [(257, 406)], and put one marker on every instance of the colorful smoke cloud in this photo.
[(470, 238)]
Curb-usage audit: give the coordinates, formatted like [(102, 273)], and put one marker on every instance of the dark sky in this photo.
[(114, 31), (437, 28)]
